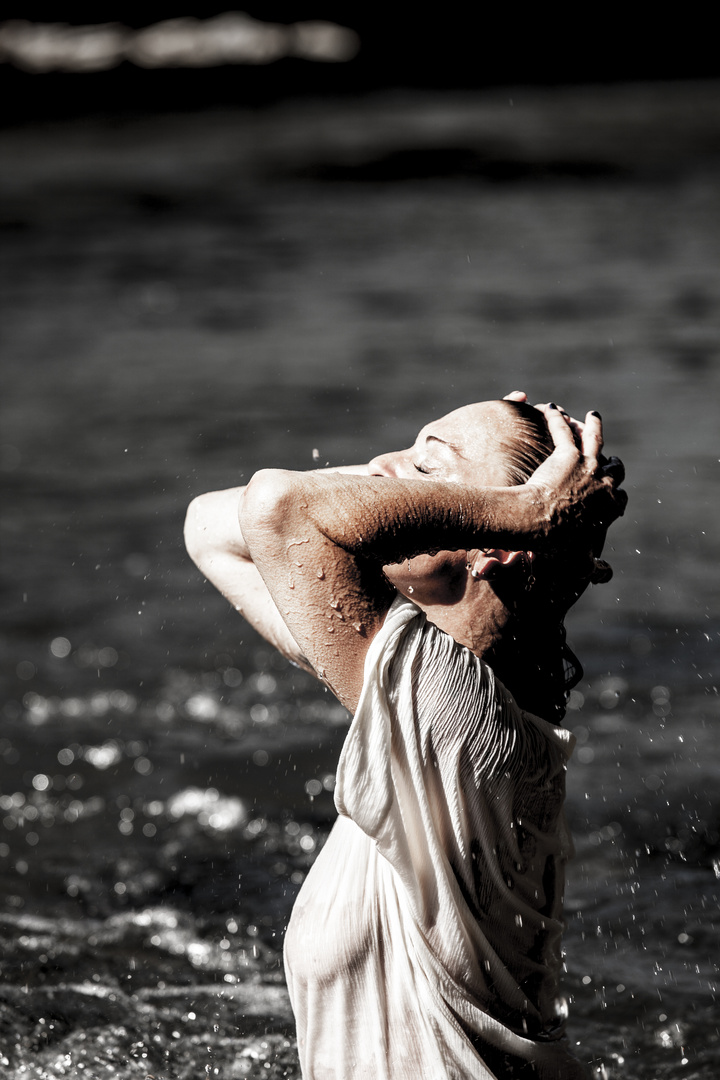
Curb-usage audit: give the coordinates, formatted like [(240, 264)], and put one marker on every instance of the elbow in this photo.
[(195, 531), (206, 531), (269, 506)]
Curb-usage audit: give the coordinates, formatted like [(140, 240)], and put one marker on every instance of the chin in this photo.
[(428, 579)]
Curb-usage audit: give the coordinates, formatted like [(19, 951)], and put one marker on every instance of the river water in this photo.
[(187, 298)]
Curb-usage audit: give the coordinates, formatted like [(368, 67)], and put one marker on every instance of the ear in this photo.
[(491, 562)]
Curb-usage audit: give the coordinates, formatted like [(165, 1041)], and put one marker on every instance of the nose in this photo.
[(387, 464), (379, 466)]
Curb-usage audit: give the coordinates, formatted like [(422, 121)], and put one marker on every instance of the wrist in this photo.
[(533, 514)]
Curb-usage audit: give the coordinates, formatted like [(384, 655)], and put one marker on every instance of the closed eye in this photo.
[(422, 469)]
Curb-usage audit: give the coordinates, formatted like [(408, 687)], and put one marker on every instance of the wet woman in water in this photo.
[(427, 590)]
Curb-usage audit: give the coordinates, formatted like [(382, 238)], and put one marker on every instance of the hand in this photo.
[(576, 425), (577, 488), (612, 467)]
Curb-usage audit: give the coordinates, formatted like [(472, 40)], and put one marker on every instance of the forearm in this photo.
[(345, 470), (322, 542), (391, 517), (388, 519)]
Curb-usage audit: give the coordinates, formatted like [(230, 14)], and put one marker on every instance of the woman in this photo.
[(427, 590)]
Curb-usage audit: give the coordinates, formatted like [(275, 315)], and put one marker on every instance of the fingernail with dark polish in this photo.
[(596, 413), (552, 405)]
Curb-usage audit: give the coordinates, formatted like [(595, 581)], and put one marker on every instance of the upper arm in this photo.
[(332, 602), (216, 545)]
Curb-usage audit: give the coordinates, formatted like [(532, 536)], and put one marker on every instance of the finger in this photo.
[(546, 407), (574, 424), (592, 437), (614, 468), (516, 395), (615, 504), (560, 430), (576, 427)]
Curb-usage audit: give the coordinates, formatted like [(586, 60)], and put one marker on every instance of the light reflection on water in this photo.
[(166, 781)]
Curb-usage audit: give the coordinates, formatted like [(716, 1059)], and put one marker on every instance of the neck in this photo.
[(478, 620)]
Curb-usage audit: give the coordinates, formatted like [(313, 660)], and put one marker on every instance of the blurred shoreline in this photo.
[(646, 130)]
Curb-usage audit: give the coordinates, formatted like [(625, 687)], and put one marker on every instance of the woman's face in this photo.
[(460, 448)]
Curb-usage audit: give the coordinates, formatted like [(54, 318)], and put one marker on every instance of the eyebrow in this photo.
[(453, 446)]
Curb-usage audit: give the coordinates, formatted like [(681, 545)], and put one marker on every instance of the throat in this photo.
[(481, 631)]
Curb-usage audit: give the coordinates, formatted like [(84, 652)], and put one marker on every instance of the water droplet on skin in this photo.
[(296, 543), (291, 582), (359, 627), (321, 574), (410, 589), (335, 604), (331, 629)]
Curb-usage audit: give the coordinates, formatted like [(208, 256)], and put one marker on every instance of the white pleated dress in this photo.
[(425, 941)]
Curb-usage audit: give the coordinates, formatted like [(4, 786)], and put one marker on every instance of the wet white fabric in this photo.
[(425, 942)]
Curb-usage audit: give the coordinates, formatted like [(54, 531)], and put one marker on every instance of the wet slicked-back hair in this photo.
[(530, 444)]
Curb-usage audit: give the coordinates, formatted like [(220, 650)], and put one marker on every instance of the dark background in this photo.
[(455, 46)]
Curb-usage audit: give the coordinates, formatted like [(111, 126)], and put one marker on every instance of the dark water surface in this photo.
[(186, 299)]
